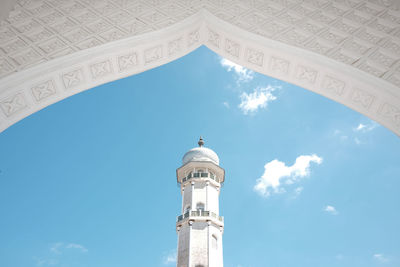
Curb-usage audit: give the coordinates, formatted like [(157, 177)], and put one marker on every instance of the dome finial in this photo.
[(201, 142)]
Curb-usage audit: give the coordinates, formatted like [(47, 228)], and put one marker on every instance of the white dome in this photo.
[(200, 154)]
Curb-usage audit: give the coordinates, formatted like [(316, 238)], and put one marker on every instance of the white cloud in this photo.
[(76, 246), (46, 262), (243, 74), (380, 257), (331, 210), (170, 258), (226, 104), (297, 192), (259, 98), (57, 248), (366, 127), (277, 174)]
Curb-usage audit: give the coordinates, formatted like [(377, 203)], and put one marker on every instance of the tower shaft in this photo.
[(199, 227)]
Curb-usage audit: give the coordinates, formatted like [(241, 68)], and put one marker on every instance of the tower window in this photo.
[(200, 206), (214, 242)]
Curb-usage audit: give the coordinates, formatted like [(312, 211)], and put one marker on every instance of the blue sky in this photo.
[(90, 181)]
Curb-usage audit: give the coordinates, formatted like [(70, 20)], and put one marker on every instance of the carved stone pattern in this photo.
[(255, 57), (279, 65), (232, 48), (72, 78), (214, 38), (44, 90), (362, 98), (391, 112), (306, 74), (333, 85), (152, 54), (193, 38), (101, 69), (13, 104), (175, 46), (57, 28), (126, 62)]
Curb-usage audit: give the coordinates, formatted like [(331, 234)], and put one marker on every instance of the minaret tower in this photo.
[(200, 227)]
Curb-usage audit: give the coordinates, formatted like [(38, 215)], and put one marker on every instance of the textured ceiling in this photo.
[(347, 50), (364, 34)]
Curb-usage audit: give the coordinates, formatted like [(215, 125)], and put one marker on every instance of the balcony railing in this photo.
[(201, 175), (199, 213)]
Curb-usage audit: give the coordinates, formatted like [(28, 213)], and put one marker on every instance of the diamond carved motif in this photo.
[(174, 46), (255, 57), (333, 85), (362, 98), (193, 37), (152, 54), (128, 61), (72, 78), (390, 112), (44, 90), (101, 69), (13, 104), (214, 38), (306, 74), (279, 65), (232, 48)]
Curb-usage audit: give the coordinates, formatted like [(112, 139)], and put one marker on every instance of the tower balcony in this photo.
[(200, 215), (199, 175)]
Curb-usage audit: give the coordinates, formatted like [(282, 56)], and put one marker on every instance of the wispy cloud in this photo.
[(366, 127), (380, 257), (242, 74), (76, 246), (277, 174), (226, 104), (331, 210), (259, 98), (46, 262), (58, 248), (297, 192), (170, 258)]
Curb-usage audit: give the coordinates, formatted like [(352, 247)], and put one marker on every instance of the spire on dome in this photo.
[(201, 142)]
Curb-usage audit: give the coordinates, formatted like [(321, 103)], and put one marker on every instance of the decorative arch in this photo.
[(327, 48)]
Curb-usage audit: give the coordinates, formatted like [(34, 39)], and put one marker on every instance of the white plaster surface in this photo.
[(346, 50), (197, 232)]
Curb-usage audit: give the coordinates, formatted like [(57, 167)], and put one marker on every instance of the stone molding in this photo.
[(32, 88)]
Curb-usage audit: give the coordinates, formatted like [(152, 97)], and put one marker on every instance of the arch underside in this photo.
[(356, 64)]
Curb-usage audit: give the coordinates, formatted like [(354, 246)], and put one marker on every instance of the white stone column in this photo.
[(192, 201), (207, 184), (190, 244)]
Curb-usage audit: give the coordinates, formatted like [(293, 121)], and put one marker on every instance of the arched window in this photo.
[(200, 206), (214, 242)]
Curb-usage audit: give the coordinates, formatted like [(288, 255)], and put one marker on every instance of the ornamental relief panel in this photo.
[(73, 78), (362, 98), (391, 112), (128, 61), (360, 34), (57, 26), (44, 90), (101, 69), (13, 104)]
